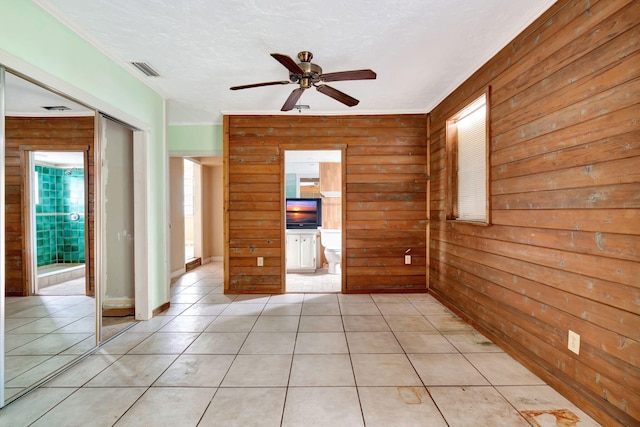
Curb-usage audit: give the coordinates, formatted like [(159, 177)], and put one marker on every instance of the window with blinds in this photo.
[(467, 151)]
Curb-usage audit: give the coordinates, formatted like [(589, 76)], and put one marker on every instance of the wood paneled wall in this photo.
[(41, 134), (385, 198), (331, 181), (563, 252)]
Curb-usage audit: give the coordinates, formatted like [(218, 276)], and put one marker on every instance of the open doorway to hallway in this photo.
[(196, 212)]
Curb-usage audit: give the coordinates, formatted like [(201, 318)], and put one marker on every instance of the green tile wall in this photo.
[(59, 238), (291, 181)]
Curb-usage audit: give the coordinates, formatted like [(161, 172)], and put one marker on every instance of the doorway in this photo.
[(56, 185), (192, 204), (313, 217), (199, 196)]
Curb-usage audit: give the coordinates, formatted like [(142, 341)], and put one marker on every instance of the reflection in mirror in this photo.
[(50, 308)]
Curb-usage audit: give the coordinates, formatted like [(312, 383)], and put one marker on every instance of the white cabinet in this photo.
[(302, 250)]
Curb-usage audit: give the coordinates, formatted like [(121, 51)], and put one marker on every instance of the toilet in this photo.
[(331, 239)]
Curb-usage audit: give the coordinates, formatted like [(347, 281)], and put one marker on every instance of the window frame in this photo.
[(451, 139)]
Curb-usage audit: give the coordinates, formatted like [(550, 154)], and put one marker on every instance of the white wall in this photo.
[(212, 215), (176, 200)]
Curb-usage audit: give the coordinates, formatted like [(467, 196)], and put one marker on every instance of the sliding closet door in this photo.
[(117, 221), (2, 243)]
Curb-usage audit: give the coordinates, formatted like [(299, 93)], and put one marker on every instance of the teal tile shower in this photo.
[(60, 215)]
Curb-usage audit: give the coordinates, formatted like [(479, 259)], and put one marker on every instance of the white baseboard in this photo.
[(178, 272), (108, 303)]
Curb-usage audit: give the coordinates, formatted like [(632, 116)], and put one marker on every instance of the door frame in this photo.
[(342, 148), (3, 263), (29, 213)]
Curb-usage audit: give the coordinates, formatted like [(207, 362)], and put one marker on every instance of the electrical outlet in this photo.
[(407, 259), (260, 261), (574, 342)]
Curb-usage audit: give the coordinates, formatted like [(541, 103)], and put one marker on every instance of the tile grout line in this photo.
[(353, 372), (293, 352), (411, 363), (171, 364)]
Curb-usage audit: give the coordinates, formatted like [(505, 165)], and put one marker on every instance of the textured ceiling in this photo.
[(420, 49)]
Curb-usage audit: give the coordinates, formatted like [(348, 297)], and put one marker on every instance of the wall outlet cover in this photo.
[(574, 342)]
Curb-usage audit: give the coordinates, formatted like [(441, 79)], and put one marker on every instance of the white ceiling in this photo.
[(24, 98), (420, 49)]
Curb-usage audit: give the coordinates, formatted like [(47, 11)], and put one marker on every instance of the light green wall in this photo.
[(32, 41), (194, 140)]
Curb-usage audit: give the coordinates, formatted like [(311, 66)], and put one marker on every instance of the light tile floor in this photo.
[(320, 281), (45, 332), (70, 287), (295, 360), (42, 334)]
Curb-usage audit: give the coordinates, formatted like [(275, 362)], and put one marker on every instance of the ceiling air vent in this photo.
[(57, 108), (145, 69)]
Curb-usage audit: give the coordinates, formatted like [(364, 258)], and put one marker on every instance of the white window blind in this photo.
[(472, 163)]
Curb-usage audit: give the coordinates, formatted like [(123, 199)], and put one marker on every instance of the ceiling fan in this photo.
[(308, 74)]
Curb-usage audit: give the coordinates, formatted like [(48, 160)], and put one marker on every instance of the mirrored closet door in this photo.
[(49, 288)]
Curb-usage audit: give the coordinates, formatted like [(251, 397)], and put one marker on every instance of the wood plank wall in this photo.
[(564, 248), (40, 134), (385, 200)]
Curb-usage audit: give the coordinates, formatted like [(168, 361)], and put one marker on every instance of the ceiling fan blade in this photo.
[(348, 75), (289, 63), (282, 82), (293, 98), (337, 95)]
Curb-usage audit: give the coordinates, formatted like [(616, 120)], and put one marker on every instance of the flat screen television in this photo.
[(303, 213)]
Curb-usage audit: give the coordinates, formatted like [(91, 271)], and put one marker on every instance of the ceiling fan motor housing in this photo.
[(311, 71)]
